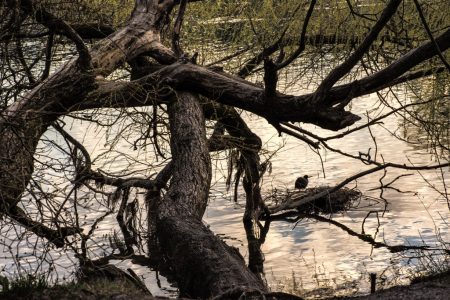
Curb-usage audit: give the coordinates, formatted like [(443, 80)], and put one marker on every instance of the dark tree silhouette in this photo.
[(39, 87)]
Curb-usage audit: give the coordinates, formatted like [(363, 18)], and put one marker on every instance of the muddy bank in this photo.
[(434, 287)]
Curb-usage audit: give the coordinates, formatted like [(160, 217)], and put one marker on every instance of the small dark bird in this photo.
[(301, 182)]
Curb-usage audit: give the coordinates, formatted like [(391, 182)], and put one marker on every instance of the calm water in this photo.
[(315, 254), (319, 254), (311, 246)]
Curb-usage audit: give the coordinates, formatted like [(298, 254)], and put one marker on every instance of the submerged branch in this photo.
[(286, 216)]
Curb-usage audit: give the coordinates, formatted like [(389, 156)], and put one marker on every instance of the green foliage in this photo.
[(111, 12), (433, 118), (260, 23), (114, 12)]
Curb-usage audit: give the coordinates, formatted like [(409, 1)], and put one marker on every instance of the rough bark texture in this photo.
[(23, 123), (202, 263)]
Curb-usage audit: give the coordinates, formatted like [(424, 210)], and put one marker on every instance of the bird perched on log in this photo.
[(301, 182)]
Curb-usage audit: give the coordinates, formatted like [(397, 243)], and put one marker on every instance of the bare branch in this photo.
[(307, 199), (350, 62), (388, 76), (364, 237), (302, 42), (430, 35), (57, 25), (176, 47), (55, 236)]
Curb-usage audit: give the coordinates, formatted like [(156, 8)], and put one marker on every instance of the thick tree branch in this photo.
[(388, 76), (236, 92), (55, 236), (430, 35), (239, 93), (128, 182), (350, 62)]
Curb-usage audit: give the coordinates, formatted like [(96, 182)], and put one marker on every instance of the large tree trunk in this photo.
[(202, 263)]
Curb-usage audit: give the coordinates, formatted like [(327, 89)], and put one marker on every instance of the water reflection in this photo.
[(416, 214), (311, 250)]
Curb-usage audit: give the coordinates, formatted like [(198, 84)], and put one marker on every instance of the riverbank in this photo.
[(97, 289), (434, 287)]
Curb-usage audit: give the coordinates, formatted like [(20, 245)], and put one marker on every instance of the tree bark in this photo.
[(23, 123), (202, 263)]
